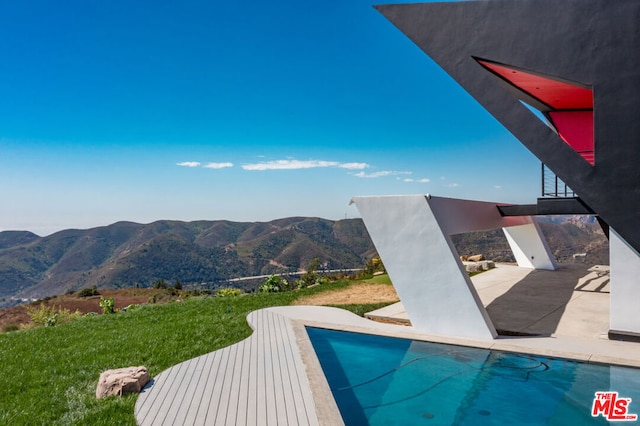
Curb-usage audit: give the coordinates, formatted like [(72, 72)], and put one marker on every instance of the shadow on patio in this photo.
[(536, 304)]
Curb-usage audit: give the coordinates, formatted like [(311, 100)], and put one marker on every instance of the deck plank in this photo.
[(252, 389), (190, 381), (203, 409), (199, 387), (286, 414), (158, 409), (299, 411), (243, 391)]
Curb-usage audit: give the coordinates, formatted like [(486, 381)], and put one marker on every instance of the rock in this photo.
[(484, 265), (121, 381), (475, 258), (488, 264), (472, 267)]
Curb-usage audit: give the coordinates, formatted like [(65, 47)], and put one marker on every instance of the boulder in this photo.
[(121, 381)]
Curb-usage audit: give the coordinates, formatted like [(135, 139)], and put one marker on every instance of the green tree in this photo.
[(160, 284), (177, 285)]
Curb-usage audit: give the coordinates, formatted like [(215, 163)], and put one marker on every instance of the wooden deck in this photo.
[(259, 381)]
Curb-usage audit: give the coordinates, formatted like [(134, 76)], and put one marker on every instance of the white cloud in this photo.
[(382, 173), (353, 166), (424, 180), (218, 165), (299, 164), (452, 185), (189, 164), (497, 186), (408, 180), (372, 175)]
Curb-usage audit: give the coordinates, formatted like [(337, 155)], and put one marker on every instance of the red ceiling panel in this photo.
[(556, 94)]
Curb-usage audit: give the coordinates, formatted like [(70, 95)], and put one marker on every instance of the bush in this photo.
[(131, 307), (311, 277), (88, 292), (274, 284), (228, 292), (50, 316), (10, 327), (162, 296), (160, 284), (108, 305), (371, 267)]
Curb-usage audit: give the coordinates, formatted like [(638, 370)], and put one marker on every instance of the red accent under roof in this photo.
[(576, 129), (570, 107), (556, 94)]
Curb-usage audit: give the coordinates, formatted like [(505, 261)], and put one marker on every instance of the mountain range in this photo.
[(127, 254)]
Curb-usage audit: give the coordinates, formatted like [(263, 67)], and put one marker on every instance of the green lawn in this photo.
[(378, 279), (49, 374)]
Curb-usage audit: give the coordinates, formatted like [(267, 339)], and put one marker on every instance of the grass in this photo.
[(49, 374), (378, 279)]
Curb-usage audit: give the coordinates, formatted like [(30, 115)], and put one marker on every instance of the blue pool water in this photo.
[(387, 381)]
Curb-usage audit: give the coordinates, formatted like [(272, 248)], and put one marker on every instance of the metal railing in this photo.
[(553, 186)]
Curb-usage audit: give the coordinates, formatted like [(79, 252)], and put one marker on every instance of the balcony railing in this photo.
[(552, 186)]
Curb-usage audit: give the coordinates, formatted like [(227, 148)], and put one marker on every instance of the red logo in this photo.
[(611, 407)]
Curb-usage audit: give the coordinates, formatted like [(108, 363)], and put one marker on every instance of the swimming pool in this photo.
[(389, 381)]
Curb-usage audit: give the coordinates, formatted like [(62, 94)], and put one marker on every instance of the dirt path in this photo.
[(355, 294)]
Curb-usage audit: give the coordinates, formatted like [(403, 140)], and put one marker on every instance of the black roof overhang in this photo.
[(592, 42)]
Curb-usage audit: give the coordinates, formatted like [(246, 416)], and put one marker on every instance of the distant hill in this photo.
[(128, 254)]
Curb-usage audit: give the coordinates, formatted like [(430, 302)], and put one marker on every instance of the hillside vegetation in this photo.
[(128, 254)]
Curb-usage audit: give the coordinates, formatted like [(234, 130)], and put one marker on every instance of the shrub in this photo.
[(177, 285), (108, 305), (131, 307), (162, 296), (88, 292), (228, 292), (50, 316), (273, 284), (10, 327), (160, 284), (371, 267)]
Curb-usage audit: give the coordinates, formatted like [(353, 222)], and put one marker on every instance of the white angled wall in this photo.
[(412, 235), (529, 247), (625, 286)]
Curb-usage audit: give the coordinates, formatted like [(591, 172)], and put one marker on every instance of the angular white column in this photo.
[(529, 247), (412, 236), (625, 286)]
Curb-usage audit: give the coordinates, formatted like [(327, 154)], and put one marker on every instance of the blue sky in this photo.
[(245, 111)]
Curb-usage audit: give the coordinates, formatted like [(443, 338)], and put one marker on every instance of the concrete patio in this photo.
[(571, 301)]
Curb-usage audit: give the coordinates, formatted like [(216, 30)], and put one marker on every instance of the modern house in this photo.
[(564, 78)]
